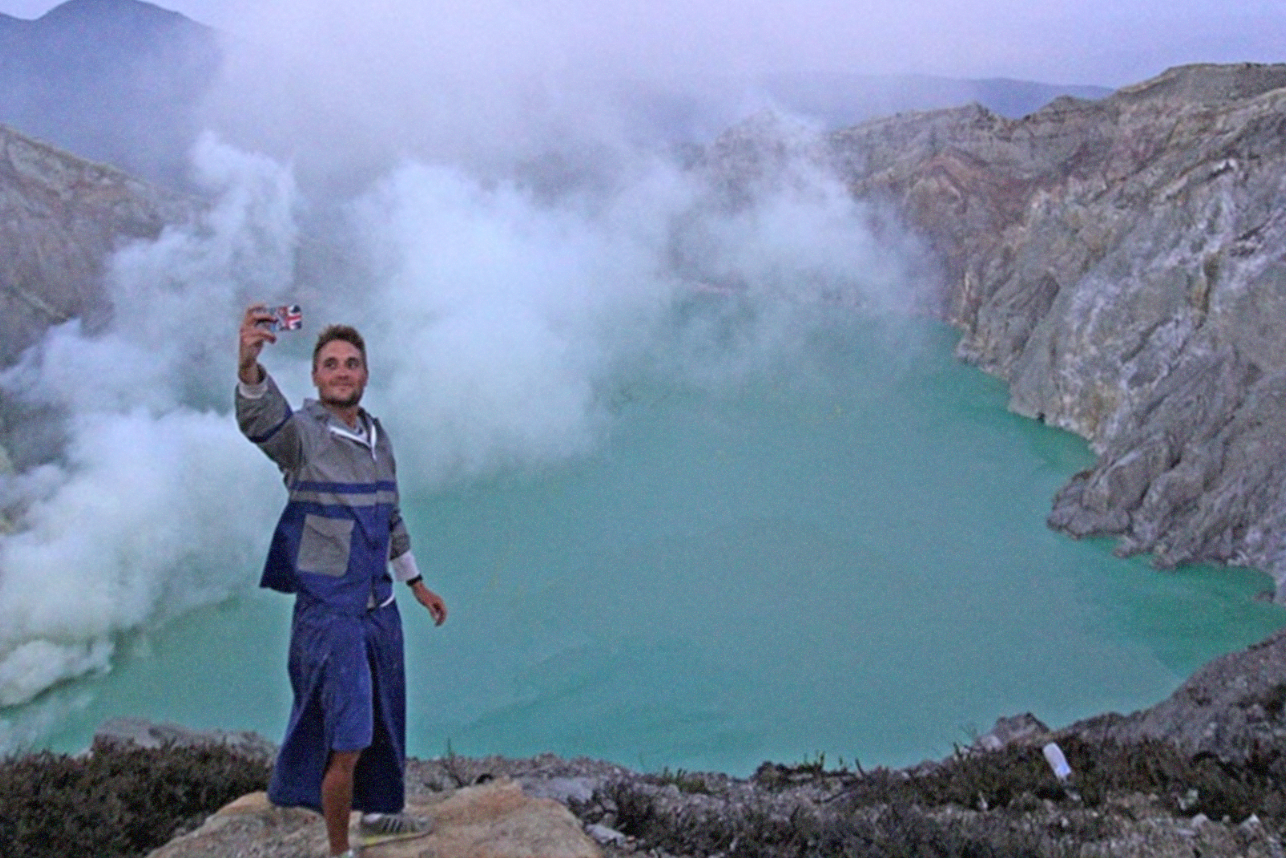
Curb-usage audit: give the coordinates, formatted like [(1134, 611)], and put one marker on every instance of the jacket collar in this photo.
[(340, 428)]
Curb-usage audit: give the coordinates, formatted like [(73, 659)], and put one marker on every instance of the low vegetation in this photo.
[(1003, 803), (118, 801), (125, 801)]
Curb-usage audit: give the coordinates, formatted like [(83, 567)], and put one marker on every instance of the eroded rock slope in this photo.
[(1122, 265)]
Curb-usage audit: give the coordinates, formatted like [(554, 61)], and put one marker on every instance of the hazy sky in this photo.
[(1107, 42)]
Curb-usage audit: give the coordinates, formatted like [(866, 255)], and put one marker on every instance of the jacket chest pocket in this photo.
[(324, 545)]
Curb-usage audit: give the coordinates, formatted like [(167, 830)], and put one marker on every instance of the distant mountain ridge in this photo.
[(122, 81), (846, 99), (117, 81)]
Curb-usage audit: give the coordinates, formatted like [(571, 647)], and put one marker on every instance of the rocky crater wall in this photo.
[(60, 219), (1122, 265)]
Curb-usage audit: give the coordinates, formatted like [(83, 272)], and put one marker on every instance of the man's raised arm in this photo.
[(254, 334), (263, 414)]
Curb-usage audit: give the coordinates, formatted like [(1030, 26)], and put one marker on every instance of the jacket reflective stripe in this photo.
[(259, 439), (345, 494), (345, 488), (348, 499)]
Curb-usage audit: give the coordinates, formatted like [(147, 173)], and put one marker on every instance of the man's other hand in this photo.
[(431, 600)]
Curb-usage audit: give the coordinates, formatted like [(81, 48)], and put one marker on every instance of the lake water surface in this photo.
[(850, 561)]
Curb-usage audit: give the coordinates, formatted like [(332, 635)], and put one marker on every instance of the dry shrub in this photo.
[(969, 806), (118, 800)]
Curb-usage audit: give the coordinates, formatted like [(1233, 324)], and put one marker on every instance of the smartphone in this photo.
[(288, 317)]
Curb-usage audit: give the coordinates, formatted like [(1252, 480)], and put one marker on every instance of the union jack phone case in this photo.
[(289, 317)]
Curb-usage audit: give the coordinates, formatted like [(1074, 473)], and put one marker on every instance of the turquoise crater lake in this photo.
[(849, 560)]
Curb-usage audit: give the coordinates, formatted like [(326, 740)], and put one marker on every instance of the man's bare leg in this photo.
[(337, 798)]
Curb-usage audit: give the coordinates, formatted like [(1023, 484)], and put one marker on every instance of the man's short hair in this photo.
[(347, 333)]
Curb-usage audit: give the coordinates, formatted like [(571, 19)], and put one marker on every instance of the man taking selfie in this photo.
[(338, 536)]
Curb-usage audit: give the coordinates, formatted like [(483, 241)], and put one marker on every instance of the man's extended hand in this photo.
[(254, 334), (432, 601)]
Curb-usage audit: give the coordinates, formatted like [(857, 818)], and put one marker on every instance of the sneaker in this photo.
[(382, 827)]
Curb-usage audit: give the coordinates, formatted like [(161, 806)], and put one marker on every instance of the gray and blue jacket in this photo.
[(341, 524)]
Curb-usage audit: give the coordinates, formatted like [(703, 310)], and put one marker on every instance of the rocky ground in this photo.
[(1003, 802), (1144, 799), (1202, 773)]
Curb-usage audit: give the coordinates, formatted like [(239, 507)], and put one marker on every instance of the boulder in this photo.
[(491, 820), (149, 734), (1011, 729)]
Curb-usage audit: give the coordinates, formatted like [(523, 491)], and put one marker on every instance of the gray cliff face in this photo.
[(60, 218), (1122, 264)]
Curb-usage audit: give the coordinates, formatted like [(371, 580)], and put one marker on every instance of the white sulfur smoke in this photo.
[(156, 504), (498, 324), (506, 293), (505, 316)]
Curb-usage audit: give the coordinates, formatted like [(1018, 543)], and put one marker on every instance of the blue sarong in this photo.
[(349, 685)]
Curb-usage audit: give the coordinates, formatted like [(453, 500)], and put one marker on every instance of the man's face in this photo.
[(340, 374)]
